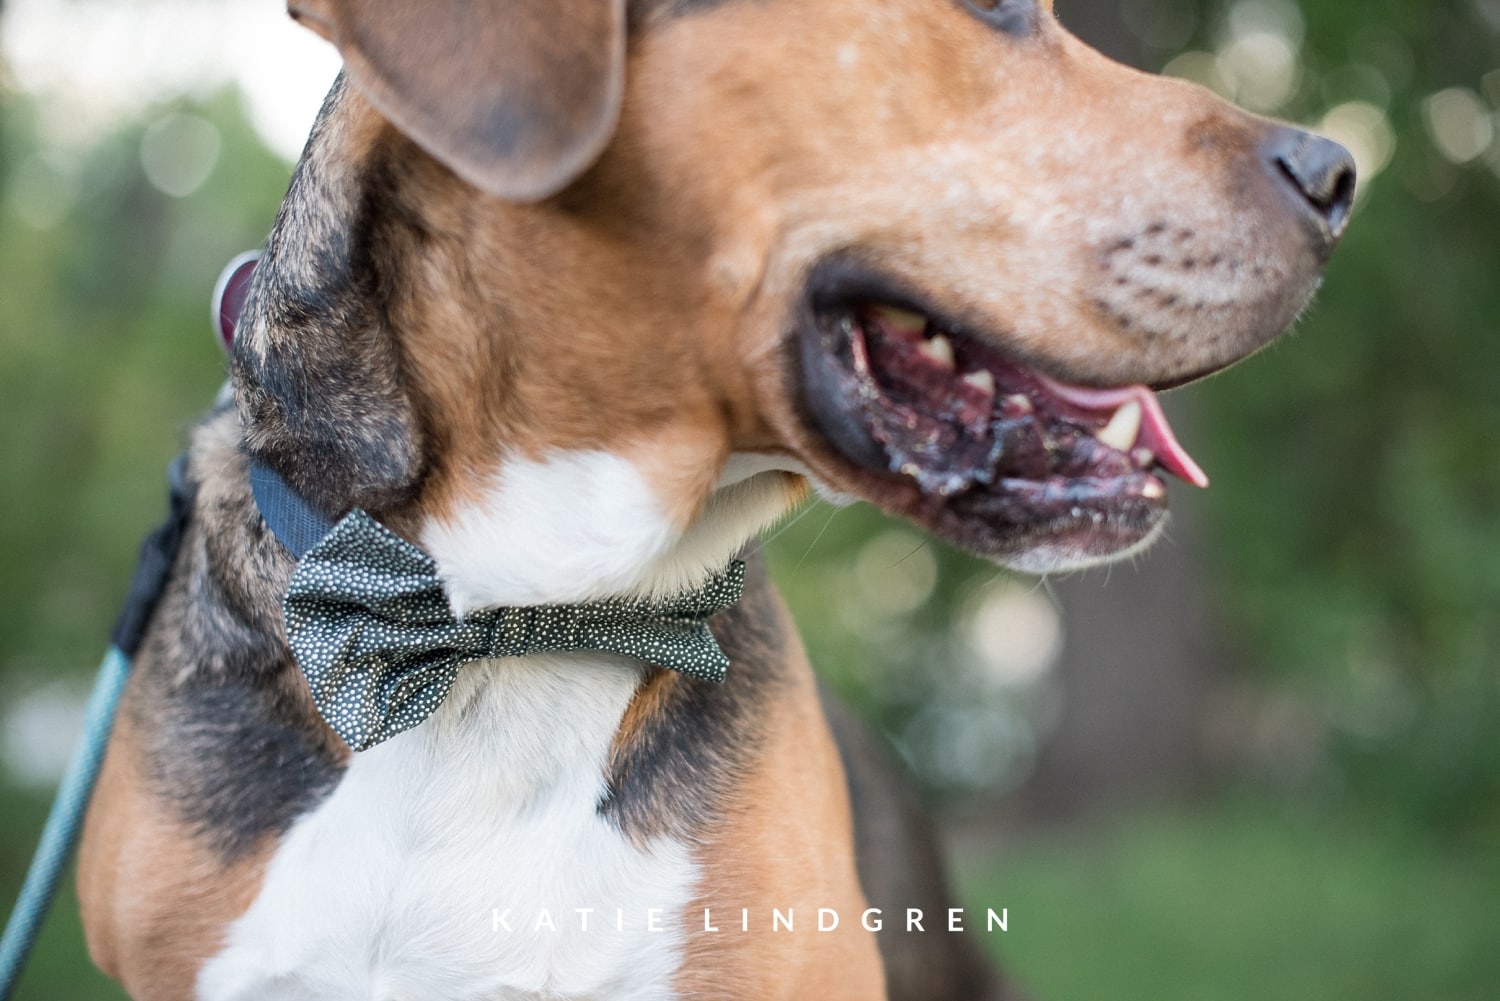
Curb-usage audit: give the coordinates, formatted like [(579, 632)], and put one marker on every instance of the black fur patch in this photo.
[(643, 12), (237, 765), (318, 376), (673, 775), (219, 706)]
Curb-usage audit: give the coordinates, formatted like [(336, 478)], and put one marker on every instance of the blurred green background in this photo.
[(1262, 761)]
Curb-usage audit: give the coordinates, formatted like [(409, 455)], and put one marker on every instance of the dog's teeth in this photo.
[(1143, 457), (901, 321), (1020, 402), (939, 349), (982, 381), (1153, 490), (1123, 428)]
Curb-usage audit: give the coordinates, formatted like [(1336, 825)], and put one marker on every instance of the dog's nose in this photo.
[(1319, 173)]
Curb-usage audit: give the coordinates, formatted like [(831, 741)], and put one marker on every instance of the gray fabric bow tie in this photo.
[(369, 622)]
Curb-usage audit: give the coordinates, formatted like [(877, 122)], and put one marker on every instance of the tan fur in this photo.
[(157, 898), (944, 152), (765, 856), (155, 895)]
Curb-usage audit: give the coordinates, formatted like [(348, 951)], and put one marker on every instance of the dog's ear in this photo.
[(518, 97)]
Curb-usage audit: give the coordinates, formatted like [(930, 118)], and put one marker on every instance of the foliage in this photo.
[(108, 357), (1356, 513), (1244, 898)]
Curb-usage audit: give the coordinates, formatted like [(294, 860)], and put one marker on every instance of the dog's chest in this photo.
[(466, 859)]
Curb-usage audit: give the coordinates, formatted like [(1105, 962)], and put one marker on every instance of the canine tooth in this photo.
[(900, 320), (1021, 402), (939, 349), (982, 380), (1153, 490), (1123, 428)]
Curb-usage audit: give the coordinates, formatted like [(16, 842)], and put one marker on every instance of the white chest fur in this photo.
[(402, 884), (576, 526), (452, 861)]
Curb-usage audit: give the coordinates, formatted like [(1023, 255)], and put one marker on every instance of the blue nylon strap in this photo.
[(291, 519), (63, 823)]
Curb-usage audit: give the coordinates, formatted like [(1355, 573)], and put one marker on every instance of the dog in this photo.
[(578, 297)]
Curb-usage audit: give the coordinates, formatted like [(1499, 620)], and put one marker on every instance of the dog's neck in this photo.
[(537, 462), (596, 477), (579, 526)]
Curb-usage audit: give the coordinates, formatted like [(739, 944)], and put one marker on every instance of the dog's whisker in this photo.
[(915, 550), (766, 540), (832, 512)]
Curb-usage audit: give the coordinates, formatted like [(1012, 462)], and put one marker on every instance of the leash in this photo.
[(158, 553), (65, 820)]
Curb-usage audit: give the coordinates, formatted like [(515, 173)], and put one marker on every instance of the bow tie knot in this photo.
[(371, 627)]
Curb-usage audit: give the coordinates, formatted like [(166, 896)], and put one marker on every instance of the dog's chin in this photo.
[(943, 428)]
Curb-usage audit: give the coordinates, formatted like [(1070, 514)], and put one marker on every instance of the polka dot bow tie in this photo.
[(370, 625)]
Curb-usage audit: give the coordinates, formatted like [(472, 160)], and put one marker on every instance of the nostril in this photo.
[(1320, 171), (1327, 182)]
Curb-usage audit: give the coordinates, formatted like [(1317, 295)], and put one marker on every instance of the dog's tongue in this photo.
[(1155, 434)]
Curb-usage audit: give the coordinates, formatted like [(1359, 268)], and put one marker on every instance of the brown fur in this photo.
[(682, 270), (762, 858), (508, 121), (160, 896)]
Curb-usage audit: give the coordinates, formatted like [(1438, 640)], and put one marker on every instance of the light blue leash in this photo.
[(158, 554), (63, 823)]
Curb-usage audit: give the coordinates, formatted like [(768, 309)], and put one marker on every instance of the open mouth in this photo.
[(943, 427)]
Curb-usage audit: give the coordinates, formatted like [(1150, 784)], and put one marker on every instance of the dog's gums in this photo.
[(988, 442), (953, 414)]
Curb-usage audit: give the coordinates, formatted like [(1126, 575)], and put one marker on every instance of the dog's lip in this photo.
[(839, 283), (955, 358)]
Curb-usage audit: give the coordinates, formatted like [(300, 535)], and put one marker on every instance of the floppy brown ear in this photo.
[(518, 97)]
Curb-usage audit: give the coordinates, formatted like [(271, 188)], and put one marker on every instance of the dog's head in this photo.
[(547, 258)]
